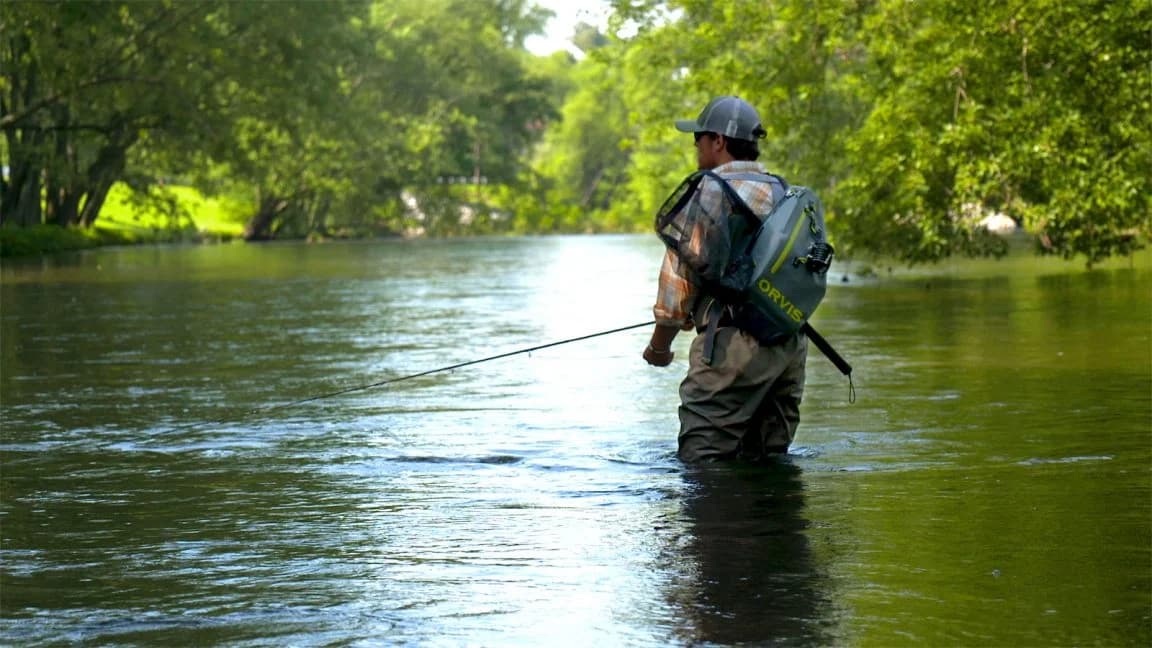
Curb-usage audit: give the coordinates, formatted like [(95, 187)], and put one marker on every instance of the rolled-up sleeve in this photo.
[(676, 293)]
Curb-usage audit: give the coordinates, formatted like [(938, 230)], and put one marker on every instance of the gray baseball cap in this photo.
[(730, 116)]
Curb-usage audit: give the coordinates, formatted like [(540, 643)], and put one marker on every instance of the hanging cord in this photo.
[(349, 390)]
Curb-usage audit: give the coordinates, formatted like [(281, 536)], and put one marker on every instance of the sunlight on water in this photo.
[(990, 485)]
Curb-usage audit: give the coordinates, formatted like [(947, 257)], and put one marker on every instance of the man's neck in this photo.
[(723, 158)]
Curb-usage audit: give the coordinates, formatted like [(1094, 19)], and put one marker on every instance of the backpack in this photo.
[(771, 274)]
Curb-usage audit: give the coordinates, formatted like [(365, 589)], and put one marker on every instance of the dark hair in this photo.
[(743, 149), (739, 149)]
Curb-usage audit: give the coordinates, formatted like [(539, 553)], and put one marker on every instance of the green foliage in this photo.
[(581, 155), (1038, 110), (162, 214), (359, 117), (915, 119), (170, 207), (320, 112), (779, 56), (43, 239), (38, 240)]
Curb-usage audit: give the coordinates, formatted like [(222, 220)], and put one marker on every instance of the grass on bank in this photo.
[(172, 208), (171, 214)]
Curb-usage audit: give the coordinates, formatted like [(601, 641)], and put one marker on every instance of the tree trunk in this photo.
[(323, 205), (62, 186), (27, 210), (8, 188), (20, 203), (259, 227), (20, 198), (62, 206), (61, 201), (96, 197), (590, 191), (104, 172)]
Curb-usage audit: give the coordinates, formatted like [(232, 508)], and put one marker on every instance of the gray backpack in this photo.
[(769, 275)]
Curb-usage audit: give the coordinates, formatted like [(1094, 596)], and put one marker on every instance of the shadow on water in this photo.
[(750, 576)]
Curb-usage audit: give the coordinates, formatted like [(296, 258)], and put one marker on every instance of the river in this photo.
[(161, 484)]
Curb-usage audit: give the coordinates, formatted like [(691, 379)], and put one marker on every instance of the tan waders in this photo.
[(746, 403)]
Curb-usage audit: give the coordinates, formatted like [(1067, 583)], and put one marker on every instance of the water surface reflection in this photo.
[(750, 576), (989, 487)]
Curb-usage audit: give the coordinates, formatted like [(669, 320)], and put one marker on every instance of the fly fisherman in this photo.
[(741, 397)]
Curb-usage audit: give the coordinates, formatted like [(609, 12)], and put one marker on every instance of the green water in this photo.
[(992, 485)]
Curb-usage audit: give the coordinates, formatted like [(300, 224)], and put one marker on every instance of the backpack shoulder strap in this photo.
[(761, 177), (779, 185), (734, 198)]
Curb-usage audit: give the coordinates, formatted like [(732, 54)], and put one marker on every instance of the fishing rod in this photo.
[(812, 334), (462, 364), (381, 383)]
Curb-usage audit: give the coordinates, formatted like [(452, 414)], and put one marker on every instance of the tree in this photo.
[(1031, 109), (581, 157), (915, 119), (80, 82), (316, 110), (783, 57), (84, 83)]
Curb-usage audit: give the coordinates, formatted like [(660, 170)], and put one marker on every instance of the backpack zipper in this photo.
[(791, 241)]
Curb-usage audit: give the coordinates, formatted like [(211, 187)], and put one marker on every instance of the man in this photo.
[(743, 400)]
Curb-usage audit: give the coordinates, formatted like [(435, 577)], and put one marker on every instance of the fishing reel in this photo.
[(818, 259)]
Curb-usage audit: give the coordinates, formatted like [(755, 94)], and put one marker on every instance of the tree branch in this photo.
[(10, 120)]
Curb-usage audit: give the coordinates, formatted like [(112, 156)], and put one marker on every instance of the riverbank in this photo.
[(50, 239), (164, 215)]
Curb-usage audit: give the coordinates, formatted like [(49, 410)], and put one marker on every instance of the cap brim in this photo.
[(687, 125)]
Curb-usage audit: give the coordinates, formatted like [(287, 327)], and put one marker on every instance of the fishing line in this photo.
[(381, 383)]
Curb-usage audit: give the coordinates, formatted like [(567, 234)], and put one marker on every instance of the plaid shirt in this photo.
[(678, 291)]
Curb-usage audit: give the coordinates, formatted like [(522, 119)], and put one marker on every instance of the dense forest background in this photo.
[(914, 119)]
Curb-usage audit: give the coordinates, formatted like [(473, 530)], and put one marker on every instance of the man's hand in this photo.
[(658, 358), (659, 351)]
